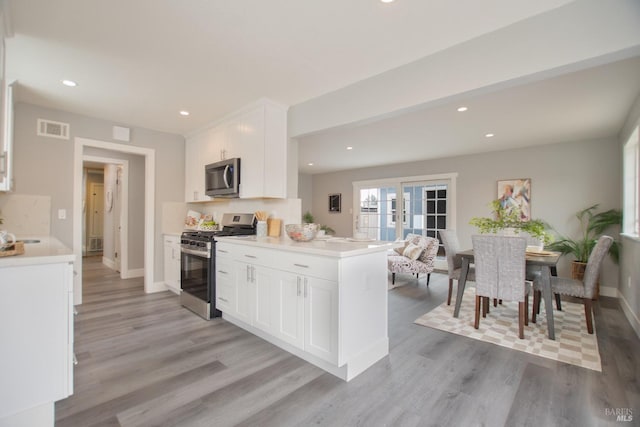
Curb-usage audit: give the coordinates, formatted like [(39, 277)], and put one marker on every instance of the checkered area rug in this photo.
[(573, 344)]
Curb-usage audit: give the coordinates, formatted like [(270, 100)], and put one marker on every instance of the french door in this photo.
[(391, 209)]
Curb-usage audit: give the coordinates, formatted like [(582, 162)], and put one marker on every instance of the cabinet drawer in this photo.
[(307, 265), (248, 254)]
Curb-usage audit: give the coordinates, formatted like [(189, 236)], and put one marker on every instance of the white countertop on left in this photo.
[(48, 250)]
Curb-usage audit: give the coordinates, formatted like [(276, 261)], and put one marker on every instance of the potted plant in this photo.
[(509, 221), (308, 218), (592, 226)]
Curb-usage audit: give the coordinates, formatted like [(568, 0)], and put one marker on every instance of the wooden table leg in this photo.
[(461, 284), (548, 304)]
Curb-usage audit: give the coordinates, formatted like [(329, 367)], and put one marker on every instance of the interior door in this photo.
[(117, 227), (96, 216)]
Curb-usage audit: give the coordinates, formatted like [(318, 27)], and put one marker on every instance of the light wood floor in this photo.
[(146, 361)]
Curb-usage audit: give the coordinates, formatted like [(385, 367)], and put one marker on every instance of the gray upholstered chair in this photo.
[(454, 262), (500, 273), (585, 288), (414, 260)]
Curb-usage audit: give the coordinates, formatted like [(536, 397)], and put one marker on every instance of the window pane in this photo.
[(442, 206)]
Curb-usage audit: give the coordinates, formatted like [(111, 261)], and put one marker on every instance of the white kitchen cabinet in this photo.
[(321, 318), (257, 135), (36, 312), (172, 262), (196, 152), (225, 285), (6, 142), (328, 310)]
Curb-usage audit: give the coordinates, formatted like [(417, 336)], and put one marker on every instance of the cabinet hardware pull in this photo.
[(222, 250), (223, 299), (305, 287), (248, 275), (298, 285), (251, 256), (301, 265), (222, 271)]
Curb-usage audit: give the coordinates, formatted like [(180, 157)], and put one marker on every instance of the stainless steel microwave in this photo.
[(222, 179)]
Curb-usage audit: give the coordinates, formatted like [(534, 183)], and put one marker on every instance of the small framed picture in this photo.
[(335, 202)]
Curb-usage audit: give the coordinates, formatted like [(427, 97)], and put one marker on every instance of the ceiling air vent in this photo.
[(53, 129)]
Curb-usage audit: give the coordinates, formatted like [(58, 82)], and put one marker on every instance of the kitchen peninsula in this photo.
[(36, 314), (324, 301)]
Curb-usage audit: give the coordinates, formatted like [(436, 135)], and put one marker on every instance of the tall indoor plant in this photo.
[(592, 226)]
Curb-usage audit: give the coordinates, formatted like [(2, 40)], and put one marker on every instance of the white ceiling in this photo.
[(138, 63)]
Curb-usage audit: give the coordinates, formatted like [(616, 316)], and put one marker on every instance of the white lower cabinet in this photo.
[(330, 311), (36, 312), (172, 262)]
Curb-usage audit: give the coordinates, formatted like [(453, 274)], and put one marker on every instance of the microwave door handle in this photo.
[(224, 176)]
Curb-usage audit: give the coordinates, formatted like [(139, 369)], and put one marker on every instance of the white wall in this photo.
[(44, 166), (565, 179), (629, 286)]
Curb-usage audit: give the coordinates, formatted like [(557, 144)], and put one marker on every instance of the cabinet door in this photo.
[(242, 291), (195, 160), (321, 318), (225, 287), (290, 308), (247, 136), (172, 262), (264, 282)]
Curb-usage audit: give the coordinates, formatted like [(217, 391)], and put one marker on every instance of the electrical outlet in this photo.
[(629, 282), (62, 214)]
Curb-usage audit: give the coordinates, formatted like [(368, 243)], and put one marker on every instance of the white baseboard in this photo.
[(131, 273), (630, 315), (607, 291), (156, 287), (109, 263)]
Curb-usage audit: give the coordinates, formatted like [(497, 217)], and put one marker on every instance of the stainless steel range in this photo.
[(198, 263)]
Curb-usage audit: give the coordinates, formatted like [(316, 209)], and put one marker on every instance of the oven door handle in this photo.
[(196, 253)]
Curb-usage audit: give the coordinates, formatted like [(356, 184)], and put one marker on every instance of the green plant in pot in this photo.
[(592, 226), (308, 218), (509, 220)]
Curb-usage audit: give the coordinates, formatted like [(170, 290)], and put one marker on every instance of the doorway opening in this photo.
[(147, 236)]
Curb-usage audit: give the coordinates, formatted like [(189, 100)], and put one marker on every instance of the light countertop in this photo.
[(47, 251), (339, 247)]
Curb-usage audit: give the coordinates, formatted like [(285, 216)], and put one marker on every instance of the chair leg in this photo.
[(393, 278), (476, 324), (485, 306), (558, 303), (428, 278), (526, 310), (450, 291), (495, 302), (536, 306), (521, 317), (587, 314)]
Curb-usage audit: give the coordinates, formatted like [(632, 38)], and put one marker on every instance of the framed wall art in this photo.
[(335, 201), (516, 194)]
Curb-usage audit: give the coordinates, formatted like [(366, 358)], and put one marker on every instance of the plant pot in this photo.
[(577, 272)]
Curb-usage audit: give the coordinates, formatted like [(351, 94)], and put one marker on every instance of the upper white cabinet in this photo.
[(6, 144), (257, 135)]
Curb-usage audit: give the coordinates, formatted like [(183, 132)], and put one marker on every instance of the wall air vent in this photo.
[(53, 129)]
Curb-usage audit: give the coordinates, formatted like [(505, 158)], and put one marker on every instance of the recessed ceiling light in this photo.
[(461, 109), (309, 164), (386, 1), (349, 148), (184, 113), (489, 135), (69, 83)]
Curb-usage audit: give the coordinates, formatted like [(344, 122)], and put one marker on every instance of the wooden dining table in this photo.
[(546, 263)]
